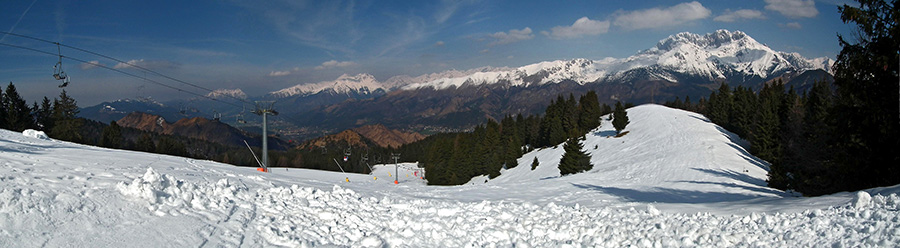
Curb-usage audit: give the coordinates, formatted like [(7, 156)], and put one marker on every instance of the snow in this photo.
[(651, 187), (345, 84), (235, 93)]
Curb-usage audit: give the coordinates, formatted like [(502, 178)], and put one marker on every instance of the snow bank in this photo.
[(305, 216), (35, 134)]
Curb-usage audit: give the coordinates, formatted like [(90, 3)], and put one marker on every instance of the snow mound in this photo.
[(35, 134), (862, 199), (165, 194)]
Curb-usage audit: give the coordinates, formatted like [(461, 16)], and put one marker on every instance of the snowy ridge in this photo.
[(665, 148), (714, 55), (345, 84), (397, 82), (236, 93), (651, 187)]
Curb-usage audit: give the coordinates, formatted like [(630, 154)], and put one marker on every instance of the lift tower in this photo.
[(265, 108)]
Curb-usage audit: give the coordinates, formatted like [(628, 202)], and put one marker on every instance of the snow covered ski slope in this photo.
[(674, 180)]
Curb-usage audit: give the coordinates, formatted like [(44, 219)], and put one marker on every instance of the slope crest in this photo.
[(667, 154)]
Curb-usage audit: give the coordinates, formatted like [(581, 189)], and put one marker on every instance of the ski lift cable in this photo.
[(120, 61), (123, 72)]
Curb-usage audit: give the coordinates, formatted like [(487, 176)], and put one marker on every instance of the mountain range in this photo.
[(683, 64)]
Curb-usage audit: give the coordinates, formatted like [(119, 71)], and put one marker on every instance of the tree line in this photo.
[(833, 138), (455, 158)]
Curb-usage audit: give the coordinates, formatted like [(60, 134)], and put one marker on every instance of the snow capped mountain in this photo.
[(236, 93), (397, 82), (362, 84), (712, 56)]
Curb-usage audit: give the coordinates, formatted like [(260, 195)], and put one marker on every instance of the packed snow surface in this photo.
[(674, 180)]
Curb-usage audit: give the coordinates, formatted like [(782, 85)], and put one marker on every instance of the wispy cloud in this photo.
[(334, 64), (151, 65), (90, 65), (741, 14), (661, 17), (280, 73), (328, 25), (439, 43), (793, 8), (513, 36), (446, 11), (582, 27), (285, 72), (791, 25)]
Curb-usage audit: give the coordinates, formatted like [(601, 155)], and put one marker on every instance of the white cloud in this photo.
[(334, 64), (511, 37), (439, 44), (284, 73), (90, 65), (661, 17), (583, 26), (793, 8), (150, 65), (279, 73), (732, 16), (791, 25)]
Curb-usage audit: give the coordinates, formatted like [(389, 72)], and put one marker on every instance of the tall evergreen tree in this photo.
[(574, 160), (145, 143), (589, 105), (552, 131), (605, 109), (44, 115), (112, 136), (171, 146), (65, 125), (742, 112), (765, 143), (18, 114), (3, 124), (720, 106), (867, 107), (620, 117)]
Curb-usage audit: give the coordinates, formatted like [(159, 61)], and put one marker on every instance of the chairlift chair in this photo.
[(58, 72)]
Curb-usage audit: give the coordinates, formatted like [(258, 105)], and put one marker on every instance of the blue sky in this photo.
[(263, 46)]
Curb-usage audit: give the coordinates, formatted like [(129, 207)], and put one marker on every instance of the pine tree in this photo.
[(866, 111), (574, 160), (66, 126), (145, 143), (765, 143), (720, 106), (111, 136), (44, 115), (570, 118), (18, 114), (605, 109), (742, 112), (620, 118), (3, 109), (171, 146), (589, 106), (534, 164)]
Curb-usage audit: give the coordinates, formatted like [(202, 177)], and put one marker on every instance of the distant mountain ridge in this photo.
[(683, 64), (714, 56), (364, 136), (197, 128)]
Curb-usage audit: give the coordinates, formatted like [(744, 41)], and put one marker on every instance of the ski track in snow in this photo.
[(56, 194)]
